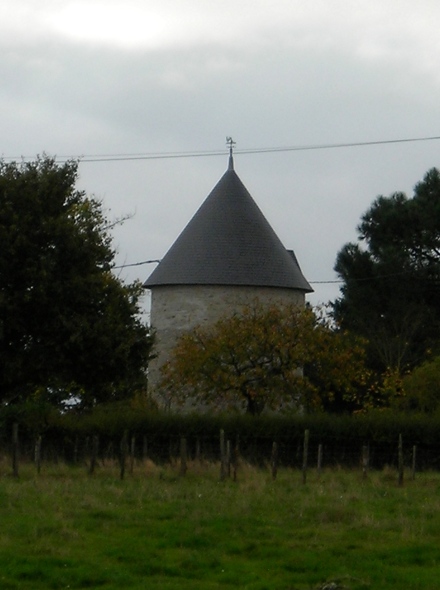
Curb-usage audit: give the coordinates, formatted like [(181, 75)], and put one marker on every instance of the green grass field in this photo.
[(156, 530)]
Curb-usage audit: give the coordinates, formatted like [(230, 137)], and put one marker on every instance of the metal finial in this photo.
[(230, 142)]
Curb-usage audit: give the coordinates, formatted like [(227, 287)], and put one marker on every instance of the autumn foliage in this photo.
[(276, 357)]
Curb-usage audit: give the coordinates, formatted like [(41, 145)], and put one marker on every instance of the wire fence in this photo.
[(310, 450)]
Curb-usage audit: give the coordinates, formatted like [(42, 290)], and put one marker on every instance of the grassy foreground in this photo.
[(156, 530)]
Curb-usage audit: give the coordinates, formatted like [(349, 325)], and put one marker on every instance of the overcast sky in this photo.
[(84, 78)]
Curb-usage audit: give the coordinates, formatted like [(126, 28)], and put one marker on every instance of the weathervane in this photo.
[(230, 142)]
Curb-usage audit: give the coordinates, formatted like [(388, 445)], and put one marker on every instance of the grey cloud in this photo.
[(75, 98)]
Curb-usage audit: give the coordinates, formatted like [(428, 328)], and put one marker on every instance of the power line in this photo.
[(208, 153), (326, 282), (136, 263), (363, 279), (264, 150), (131, 264), (333, 282), (92, 158)]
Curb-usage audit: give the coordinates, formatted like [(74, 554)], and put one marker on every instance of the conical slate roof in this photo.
[(229, 242)]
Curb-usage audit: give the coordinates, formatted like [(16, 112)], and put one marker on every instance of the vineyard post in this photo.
[(222, 455), (305, 455), (144, 447), (132, 452), (400, 460), (319, 466), (236, 454), (123, 454), (413, 470), (94, 454), (274, 460), (228, 458), (198, 450), (183, 456), (365, 460), (38, 453), (15, 449), (75, 450)]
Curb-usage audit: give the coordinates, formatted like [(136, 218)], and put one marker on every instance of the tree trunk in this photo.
[(254, 405)]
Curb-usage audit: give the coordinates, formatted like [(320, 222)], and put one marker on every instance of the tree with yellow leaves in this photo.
[(273, 357)]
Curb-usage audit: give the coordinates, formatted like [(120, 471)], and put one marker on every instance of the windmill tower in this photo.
[(226, 257)]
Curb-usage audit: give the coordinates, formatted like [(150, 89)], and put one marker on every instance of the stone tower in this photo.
[(227, 256)]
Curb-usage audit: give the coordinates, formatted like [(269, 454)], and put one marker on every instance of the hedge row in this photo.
[(342, 438)]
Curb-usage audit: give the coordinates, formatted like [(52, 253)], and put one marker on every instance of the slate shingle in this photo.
[(229, 242)]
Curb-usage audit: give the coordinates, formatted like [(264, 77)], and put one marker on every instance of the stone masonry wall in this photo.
[(176, 309)]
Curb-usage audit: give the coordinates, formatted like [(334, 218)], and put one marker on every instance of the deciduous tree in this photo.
[(263, 357), (68, 325), (421, 388)]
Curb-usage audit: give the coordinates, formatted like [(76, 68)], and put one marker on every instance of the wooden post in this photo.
[(183, 456), (144, 447), (274, 460), (75, 450), (228, 458), (123, 454), (37, 456), (413, 470), (109, 453), (305, 455), (400, 461), (319, 465), (132, 453), (15, 449), (198, 450), (94, 453), (222, 455), (236, 454), (365, 461)]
